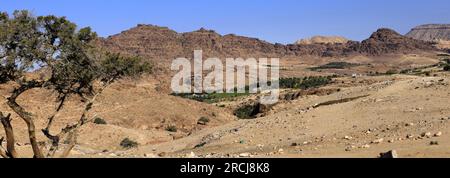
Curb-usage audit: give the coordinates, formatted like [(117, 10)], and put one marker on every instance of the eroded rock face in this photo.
[(431, 32), (163, 44)]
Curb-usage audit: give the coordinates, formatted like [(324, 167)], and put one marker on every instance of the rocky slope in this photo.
[(431, 32), (162, 45)]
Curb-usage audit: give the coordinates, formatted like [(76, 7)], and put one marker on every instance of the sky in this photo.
[(276, 21)]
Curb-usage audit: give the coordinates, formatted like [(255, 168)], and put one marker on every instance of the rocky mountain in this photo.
[(323, 40), (163, 44), (431, 32)]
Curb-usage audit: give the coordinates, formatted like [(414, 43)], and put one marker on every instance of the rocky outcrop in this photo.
[(323, 40), (431, 32)]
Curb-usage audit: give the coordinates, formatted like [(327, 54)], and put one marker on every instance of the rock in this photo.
[(438, 134), (149, 155), (281, 151), (191, 155), (378, 141), (244, 155), (410, 136), (348, 137), (365, 146), (426, 134), (409, 124), (389, 154), (434, 143)]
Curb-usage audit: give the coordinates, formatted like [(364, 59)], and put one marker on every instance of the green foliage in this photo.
[(115, 66), (335, 65), (28, 43), (171, 128), (128, 143), (99, 121), (304, 83), (248, 111)]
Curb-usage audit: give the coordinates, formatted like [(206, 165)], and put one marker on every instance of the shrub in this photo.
[(203, 121), (247, 111), (100, 121), (172, 128), (391, 72), (447, 68), (128, 143)]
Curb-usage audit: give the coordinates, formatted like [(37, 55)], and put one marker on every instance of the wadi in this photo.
[(66, 92)]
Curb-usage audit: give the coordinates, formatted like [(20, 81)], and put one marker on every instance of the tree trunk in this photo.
[(10, 142)]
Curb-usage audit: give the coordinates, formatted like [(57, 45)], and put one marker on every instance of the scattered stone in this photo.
[(438, 134), (389, 154), (426, 134), (410, 136), (281, 151), (378, 141), (434, 143), (162, 154), (149, 155), (348, 137), (365, 146), (391, 141), (244, 155), (191, 155), (409, 124)]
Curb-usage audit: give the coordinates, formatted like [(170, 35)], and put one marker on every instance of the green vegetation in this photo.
[(67, 54), (128, 143), (99, 121), (335, 65), (248, 111), (305, 83)]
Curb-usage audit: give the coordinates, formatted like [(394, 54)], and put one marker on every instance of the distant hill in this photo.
[(162, 44), (431, 32), (323, 40)]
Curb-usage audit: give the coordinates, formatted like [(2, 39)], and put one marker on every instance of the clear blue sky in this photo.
[(281, 21)]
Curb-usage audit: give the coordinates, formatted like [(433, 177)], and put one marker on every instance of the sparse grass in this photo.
[(99, 121), (128, 143), (171, 128)]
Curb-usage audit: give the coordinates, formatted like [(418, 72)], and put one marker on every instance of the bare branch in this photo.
[(10, 141), (72, 138), (74, 127)]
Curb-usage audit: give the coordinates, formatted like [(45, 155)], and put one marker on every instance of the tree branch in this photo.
[(10, 141), (82, 121), (27, 117)]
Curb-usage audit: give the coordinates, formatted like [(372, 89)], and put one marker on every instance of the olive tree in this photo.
[(71, 64)]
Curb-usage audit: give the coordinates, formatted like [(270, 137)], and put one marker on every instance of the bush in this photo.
[(447, 68), (127, 143), (172, 128), (100, 121), (391, 72), (247, 111), (203, 121)]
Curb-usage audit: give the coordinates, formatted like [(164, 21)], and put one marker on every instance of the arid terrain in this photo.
[(389, 92)]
